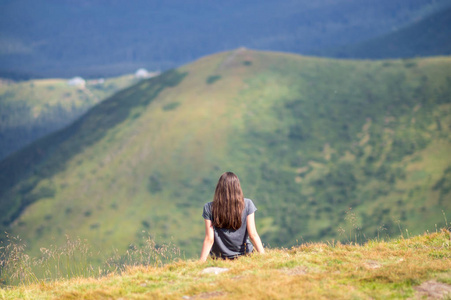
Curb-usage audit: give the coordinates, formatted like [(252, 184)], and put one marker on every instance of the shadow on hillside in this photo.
[(48, 156)]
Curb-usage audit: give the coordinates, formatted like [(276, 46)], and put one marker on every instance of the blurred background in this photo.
[(46, 38), (118, 117)]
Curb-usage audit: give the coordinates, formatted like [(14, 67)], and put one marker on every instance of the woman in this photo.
[(229, 222)]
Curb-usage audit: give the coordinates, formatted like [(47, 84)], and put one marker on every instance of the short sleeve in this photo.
[(206, 214), (251, 208)]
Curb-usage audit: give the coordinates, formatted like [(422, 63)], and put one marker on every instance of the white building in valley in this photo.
[(77, 81)]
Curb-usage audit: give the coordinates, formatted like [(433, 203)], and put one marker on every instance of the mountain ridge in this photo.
[(102, 39), (427, 37)]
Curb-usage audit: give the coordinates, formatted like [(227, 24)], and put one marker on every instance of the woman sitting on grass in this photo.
[(229, 222)]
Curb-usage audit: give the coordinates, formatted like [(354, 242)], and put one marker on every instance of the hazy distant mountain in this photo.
[(427, 37), (34, 108), (310, 138), (51, 38)]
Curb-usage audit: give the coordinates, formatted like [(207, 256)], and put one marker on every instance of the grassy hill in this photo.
[(322, 146), (414, 268), (427, 37), (31, 109)]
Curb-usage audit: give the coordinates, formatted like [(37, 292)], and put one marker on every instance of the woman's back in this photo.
[(230, 243), (229, 221)]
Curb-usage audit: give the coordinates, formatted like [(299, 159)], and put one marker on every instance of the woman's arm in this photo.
[(253, 235), (208, 241)]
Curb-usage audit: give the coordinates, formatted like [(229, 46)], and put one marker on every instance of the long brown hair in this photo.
[(228, 202)]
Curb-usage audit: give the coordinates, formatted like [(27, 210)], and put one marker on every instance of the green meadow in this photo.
[(327, 149)]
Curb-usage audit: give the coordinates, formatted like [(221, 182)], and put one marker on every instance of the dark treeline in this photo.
[(427, 37)]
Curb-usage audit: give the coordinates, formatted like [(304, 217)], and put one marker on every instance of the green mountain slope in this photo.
[(428, 37), (310, 138), (34, 108)]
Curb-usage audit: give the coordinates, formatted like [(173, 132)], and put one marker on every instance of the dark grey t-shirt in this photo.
[(230, 243)]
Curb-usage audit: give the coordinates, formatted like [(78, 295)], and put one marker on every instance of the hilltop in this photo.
[(321, 146), (414, 268)]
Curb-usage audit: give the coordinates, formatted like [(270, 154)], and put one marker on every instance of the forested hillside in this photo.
[(34, 108), (321, 146), (427, 37)]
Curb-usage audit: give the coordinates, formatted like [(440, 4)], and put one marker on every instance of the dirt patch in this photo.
[(295, 271), (433, 290), (372, 264)]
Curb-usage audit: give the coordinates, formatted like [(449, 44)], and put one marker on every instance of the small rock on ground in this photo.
[(214, 270)]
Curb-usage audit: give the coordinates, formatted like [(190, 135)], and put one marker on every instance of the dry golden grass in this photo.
[(376, 270)]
